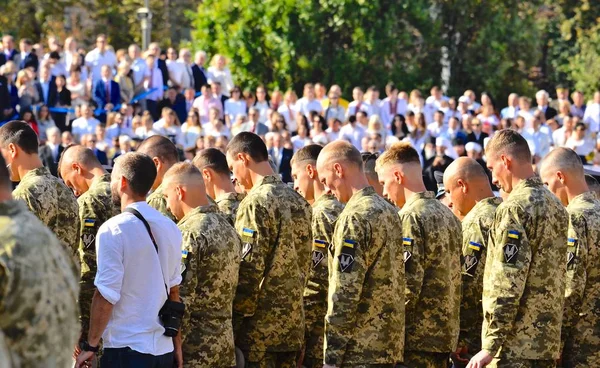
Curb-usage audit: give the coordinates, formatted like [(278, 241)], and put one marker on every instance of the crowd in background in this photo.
[(110, 100)]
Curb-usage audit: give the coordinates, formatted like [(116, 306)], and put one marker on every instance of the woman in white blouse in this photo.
[(191, 130), (219, 72), (262, 104), (79, 94), (169, 126), (234, 106)]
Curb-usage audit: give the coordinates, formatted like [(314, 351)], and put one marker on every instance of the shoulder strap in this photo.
[(136, 213)]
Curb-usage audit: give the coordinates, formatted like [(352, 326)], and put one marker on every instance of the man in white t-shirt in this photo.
[(353, 132), (134, 278), (99, 57), (309, 102), (86, 124)]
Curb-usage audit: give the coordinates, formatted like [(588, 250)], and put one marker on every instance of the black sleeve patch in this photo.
[(346, 257), (511, 247), (571, 253)]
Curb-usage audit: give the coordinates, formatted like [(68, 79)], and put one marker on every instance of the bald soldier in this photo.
[(45, 195), (431, 244), (84, 174), (364, 325), (524, 277), (38, 287), (470, 196), (164, 154), (325, 210), (217, 178), (562, 172), (275, 225), (210, 267)]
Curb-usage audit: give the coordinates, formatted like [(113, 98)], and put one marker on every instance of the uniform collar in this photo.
[(421, 195), (324, 198), (583, 197), (364, 192), (40, 171), (209, 208), (531, 182), (105, 178), (232, 196), (269, 179)]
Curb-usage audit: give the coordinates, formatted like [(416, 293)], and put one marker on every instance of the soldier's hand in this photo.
[(480, 360), (459, 354), (84, 359)]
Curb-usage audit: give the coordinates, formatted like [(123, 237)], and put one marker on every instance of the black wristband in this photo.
[(85, 346)]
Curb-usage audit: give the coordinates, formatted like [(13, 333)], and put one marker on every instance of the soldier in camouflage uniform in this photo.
[(364, 325), (217, 178), (325, 210), (80, 169), (275, 225), (431, 243), (164, 154), (562, 171), (210, 267), (38, 287), (524, 277), (470, 196), (45, 195)]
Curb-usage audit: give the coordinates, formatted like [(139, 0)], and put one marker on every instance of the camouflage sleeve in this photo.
[(190, 259), (470, 312), (413, 242), (346, 280), (507, 268), (87, 256), (32, 203), (577, 254), (253, 226)]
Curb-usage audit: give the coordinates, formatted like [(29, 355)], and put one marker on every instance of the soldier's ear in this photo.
[(180, 192), (206, 174), (339, 171), (12, 150), (506, 161), (398, 176), (561, 177), (462, 184), (310, 170)]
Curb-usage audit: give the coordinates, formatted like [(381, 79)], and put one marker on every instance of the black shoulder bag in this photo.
[(171, 312)]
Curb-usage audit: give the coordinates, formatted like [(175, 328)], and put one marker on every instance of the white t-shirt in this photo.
[(234, 108), (353, 134), (289, 114), (83, 126), (305, 106), (129, 277), (95, 60)]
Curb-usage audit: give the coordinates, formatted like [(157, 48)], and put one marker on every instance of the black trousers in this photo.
[(128, 358)]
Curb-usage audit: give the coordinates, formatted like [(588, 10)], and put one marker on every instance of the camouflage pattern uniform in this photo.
[(158, 201), (476, 228), (581, 321), (54, 204), (38, 291), (524, 278), (364, 324), (210, 268), (325, 211), (268, 317), (229, 203), (95, 207), (432, 242)]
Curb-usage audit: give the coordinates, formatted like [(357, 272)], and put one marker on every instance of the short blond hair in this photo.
[(398, 153), (509, 142)]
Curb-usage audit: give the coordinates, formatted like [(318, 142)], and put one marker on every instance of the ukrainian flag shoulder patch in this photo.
[(474, 245), (184, 253), (349, 243), (407, 241), (513, 234), (571, 242), (89, 222), (248, 232), (319, 243)]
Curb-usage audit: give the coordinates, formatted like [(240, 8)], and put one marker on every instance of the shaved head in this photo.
[(78, 166), (341, 151), (466, 183), (565, 160), (562, 172), (340, 169), (184, 173), (80, 155), (184, 189)]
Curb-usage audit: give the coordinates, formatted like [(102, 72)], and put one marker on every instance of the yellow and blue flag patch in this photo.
[(184, 254), (349, 243), (571, 242), (407, 241), (474, 245), (319, 243), (89, 222), (248, 232), (513, 234)]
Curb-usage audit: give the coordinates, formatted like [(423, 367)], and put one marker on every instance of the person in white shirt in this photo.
[(353, 132), (591, 117), (334, 129), (436, 98), (118, 127), (474, 105), (187, 76), (437, 128), (134, 278), (392, 106), (153, 84), (334, 110), (562, 134), (99, 57), (302, 138), (86, 124), (219, 72), (538, 141), (357, 104), (512, 110), (262, 104), (525, 110), (288, 110), (138, 66), (169, 126), (372, 101), (175, 68), (580, 142), (309, 103), (234, 106)]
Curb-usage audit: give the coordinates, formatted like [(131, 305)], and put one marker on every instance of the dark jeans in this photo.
[(128, 358)]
